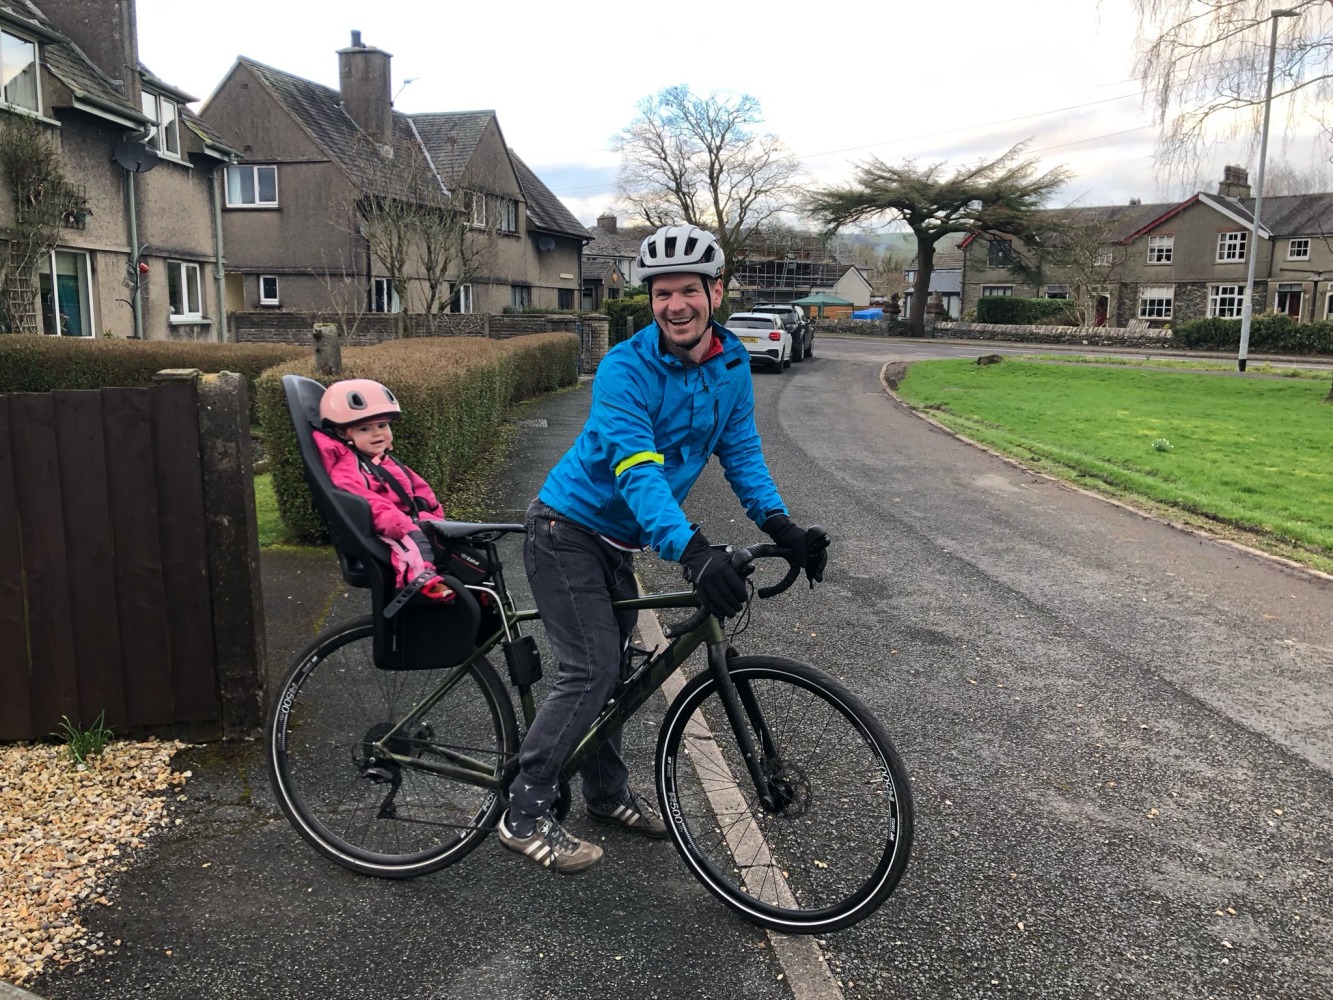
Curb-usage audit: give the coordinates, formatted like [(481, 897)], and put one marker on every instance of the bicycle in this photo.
[(782, 792)]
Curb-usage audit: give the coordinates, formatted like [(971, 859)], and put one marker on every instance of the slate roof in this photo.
[(451, 138), (1293, 214), (624, 243), (545, 211), (598, 268)]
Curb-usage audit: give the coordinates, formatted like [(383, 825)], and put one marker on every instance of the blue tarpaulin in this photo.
[(875, 313)]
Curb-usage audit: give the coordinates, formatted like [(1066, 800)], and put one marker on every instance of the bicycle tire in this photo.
[(836, 849), (374, 817)]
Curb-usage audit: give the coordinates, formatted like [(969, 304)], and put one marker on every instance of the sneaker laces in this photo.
[(640, 802), (555, 836)]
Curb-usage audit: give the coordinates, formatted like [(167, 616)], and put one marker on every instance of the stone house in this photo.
[(313, 157), (1164, 263), (613, 249), (141, 171)]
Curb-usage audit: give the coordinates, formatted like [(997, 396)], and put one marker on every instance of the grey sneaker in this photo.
[(633, 813), (550, 846)]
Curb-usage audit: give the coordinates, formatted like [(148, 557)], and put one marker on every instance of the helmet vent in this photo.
[(670, 248), (356, 401), (689, 245)]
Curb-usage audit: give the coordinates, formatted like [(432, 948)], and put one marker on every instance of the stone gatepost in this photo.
[(328, 349)]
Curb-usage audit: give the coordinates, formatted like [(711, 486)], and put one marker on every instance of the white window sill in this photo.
[(189, 321), (269, 305), (251, 208)]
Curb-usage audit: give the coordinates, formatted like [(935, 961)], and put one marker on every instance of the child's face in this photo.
[(372, 438)]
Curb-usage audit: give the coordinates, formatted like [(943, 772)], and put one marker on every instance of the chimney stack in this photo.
[(108, 34), (364, 83), (607, 221), (1235, 182)]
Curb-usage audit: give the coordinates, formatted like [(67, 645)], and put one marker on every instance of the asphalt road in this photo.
[(1119, 735)]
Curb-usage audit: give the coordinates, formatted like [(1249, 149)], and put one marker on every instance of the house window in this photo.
[(1288, 300), (1225, 301), (165, 114), (1231, 246), (564, 298), (476, 206), (64, 289), (183, 291), (1328, 304), (999, 253), (1103, 257), (1003, 290), (18, 63), (383, 299), (1298, 249), (1161, 249), (268, 290), (1056, 292), (251, 186), (505, 213), (1155, 301), (463, 301), (520, 297)]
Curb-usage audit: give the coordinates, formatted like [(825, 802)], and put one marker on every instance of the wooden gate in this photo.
[(108, 574)]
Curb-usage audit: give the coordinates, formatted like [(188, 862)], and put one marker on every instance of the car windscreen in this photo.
[(749, 324)]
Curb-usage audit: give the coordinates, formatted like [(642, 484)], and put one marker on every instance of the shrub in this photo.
[(1007, 310), (455, 394), (628, 315), (35, 363), (1269, 332)]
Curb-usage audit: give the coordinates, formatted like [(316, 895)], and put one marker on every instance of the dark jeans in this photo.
[(575, 576)]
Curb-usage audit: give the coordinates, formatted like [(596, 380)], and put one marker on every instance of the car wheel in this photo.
[(810, 347), (797, 354), (786, 360)]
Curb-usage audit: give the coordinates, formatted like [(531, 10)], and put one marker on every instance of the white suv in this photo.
[(764, 337)]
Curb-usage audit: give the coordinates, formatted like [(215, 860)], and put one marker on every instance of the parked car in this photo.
[(764, 337), (794, 320)]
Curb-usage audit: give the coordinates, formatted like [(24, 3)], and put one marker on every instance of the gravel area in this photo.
[(64, 831)]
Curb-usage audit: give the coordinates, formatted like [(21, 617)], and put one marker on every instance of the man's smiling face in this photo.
[(683, 306)]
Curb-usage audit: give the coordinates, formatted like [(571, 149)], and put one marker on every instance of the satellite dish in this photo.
[(136, 157), (545, 244)]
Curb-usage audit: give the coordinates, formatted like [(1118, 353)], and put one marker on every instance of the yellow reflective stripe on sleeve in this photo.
[(639, 459)]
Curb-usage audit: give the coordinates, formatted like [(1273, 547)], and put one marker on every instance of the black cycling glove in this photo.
[(810, 546), (719, 586)]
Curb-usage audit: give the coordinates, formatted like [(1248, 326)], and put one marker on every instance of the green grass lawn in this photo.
[(1253, 454), (271, 529)]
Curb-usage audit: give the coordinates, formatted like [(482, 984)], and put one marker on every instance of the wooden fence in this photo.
[(129, 577)]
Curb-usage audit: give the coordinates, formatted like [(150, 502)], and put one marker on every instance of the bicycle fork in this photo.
[(746, 720)]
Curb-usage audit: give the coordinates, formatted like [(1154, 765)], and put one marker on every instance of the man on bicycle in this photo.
[(664, 401)]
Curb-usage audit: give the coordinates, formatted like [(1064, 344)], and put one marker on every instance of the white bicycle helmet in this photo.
[(681, 250)]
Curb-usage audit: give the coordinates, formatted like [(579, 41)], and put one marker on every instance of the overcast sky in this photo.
[(950, 80)]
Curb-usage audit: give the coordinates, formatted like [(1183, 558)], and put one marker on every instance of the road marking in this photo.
[(803, 964)]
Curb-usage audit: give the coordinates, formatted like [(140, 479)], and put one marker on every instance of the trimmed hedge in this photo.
[(455, 393), (37, 363), (1010, 310), (1268, 332)]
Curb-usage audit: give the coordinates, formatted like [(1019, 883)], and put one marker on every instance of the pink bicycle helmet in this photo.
[(357, 401)]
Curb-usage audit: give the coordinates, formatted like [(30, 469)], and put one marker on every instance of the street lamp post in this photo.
[(1247, 306)]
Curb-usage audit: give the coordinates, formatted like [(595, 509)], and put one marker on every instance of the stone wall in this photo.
[(1087, 336)]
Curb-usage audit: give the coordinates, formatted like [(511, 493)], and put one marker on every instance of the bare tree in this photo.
[(1204, 66), (1004, 195), (1282, 177), (704, 161)]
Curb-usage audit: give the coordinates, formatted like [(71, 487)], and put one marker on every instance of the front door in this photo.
[(1289, 300)]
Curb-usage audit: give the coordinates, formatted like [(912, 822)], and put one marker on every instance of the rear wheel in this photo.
[(797, 354), (786, 359), (834, 841), (349, 783)]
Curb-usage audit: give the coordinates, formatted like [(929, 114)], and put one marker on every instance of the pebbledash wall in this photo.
[(367, 329)]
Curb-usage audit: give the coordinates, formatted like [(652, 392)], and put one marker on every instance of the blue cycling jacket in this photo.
[(655, 420)]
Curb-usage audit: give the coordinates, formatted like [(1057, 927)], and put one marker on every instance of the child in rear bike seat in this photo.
[(356, 447)]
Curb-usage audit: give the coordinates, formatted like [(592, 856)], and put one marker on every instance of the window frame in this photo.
[(476, 206), (505, 214), (1161, 249), (158, 138), (186, 267), (990, 290), (86, 299), (1282, 292), (1055, 292), (1160, 312), (564, 298), (384, 301), (466, 302), (999, 253), (520, 296), (1235, 300), (254, 180), (1232, 246), (1328, 303), (36, 72), (276, 298), (1291, 248)]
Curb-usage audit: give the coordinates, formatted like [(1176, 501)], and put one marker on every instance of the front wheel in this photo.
[(834, 840), (356, 782)]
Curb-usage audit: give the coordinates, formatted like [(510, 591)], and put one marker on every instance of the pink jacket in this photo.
[(388, 514)]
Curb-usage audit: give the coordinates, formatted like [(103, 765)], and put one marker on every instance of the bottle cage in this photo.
[(419, 634)]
